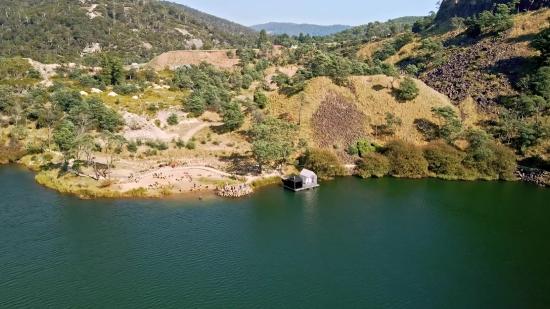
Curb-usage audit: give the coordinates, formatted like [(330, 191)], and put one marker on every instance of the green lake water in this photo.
[(378, 243)]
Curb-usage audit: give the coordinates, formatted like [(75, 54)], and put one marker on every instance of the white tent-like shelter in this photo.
[(309, 178)]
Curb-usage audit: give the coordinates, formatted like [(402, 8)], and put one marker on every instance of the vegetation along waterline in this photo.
[(457, 99)]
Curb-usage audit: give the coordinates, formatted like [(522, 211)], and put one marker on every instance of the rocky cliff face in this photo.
[(467, 8)]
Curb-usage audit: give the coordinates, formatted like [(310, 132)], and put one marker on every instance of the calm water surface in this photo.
[(353, 243)]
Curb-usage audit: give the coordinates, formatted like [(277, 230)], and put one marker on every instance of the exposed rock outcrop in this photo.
[(485, 71), (234, 191), (536, 176), (338, 122)]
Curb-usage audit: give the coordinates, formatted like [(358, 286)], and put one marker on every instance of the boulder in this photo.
[(95, 90), (112, 94), (135, 97), (84, 93)]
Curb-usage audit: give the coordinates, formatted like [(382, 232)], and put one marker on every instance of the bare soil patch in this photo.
[(171, 59)]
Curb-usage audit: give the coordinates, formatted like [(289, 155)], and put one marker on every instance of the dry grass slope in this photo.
[(372, 96), (218, 58)]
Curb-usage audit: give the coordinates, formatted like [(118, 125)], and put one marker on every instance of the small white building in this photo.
[(309, 178)]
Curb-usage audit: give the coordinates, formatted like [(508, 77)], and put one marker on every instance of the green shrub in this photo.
[(492, 161), (48, 156), (161, 145), (153, 107), (353, 150), (247, 81), (151, 143), (12, 152), (180, 143), (406, 160), (373, 165), (88, 81), (324, 163), (157, 123), (173, 119), (260, 99), (444, 159), (190, 145), (407, 90), (132, 147), (75, 73), (126, 89), (150, 152), (34, 73)]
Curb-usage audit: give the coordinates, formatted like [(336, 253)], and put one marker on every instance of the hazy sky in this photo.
[(323, 12)]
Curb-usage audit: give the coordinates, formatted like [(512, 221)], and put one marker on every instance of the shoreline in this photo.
[(66, 187), (186, 182)]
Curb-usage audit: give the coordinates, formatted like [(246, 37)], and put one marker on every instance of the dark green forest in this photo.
[(52, 31)]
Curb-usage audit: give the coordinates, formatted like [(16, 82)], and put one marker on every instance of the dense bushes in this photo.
[(14, 68), (490, 160), (444, 160), (11, 152), (260, 99), (392, 47), (495, 21), (482, 160), (324, 162), (212, 88), (406, 160), (363, 147), (233, 117), (126, 88), (373, 165)]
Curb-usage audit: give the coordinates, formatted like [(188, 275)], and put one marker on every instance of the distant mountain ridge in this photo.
[(296, 29)]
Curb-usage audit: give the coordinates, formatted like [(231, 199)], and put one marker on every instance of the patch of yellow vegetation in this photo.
[(404, 52), (469, 114), (373, 96), (529, 24), (164, 98), (366, 51), (526, 26)]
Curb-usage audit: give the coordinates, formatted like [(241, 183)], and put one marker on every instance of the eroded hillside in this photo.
[(332, 116)]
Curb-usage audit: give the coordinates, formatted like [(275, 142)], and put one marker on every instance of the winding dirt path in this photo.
[(189, 134)]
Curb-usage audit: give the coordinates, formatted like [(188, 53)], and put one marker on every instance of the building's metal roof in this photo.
[(295, 178), (307, 173)]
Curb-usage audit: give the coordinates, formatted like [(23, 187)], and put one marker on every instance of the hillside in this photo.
[(61, 30), (212, 20), (333, 117), (171, 59), (499, 72), (375, 30), (452, 8), (296, 29)]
